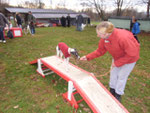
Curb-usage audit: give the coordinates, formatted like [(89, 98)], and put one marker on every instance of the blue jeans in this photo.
[(33, 30), (79, 27), (2, 33)]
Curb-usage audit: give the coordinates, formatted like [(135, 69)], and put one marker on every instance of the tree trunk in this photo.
[(148, 6)]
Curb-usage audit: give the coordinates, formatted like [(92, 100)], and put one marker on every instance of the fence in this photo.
[(125, 23)]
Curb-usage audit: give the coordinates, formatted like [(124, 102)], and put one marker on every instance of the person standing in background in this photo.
[(68, 18), (31, 22), (3, 23), (18, 20), (136, 29), (89, 22), (79, 22), (131, 22), (63, 21)]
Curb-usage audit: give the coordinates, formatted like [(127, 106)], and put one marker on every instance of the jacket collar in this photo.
[(112, 35)]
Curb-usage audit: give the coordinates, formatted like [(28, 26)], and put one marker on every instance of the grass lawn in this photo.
[(22, 90), (95, 22)]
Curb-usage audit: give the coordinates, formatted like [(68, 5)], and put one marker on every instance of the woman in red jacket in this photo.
[(124, 49)]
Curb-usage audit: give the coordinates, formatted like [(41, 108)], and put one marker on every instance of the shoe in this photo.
[(0, 40), (112, 91), (4, 41), (118, 97)]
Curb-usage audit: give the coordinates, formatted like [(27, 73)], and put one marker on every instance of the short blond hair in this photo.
[(105, 27)]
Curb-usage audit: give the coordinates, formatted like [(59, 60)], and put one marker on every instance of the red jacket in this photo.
[(121, 44), (64, 48)]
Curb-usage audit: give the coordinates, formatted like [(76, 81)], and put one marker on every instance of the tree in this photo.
[(32, 4), (61, 4), (120, 4), (93, 15), (147, 2), (27, 4), (98, 5), (39, 4), (3, 4)]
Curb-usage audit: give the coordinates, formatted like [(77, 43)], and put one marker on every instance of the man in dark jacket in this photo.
[(3, 22), (89, 22), (63, 21), (79, 21), (31, 22), (18, 20), (68, 18)]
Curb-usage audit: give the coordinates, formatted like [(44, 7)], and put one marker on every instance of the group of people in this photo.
[(4, 22), (29, 22), (65, 21), (79, 22)]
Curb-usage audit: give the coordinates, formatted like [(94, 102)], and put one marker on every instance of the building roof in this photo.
[(26, 10), (41, 15), (46, 13)]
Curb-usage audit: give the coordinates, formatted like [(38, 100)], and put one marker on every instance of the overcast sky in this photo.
[(70, 4)]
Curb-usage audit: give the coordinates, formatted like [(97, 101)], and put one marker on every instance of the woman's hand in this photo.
[(83, 58), (113, 65)]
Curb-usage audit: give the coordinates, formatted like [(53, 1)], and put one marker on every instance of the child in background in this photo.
[(136, 29)]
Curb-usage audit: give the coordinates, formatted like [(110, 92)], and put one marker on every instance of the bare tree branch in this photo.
[(98, 5), (121, 5), (146, 2)]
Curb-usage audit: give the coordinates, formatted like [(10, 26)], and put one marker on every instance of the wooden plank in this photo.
[(97, 94), (73, 73)]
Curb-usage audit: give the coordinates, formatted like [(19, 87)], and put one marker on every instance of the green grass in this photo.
[(22, 90), (95, 22)]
